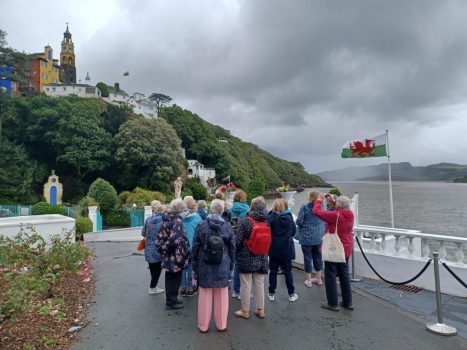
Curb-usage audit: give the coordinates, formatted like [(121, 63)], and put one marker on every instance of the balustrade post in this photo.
[(425, 248), (411, 247), (459, 253), (397, 244), (442, 250), (383, 243)]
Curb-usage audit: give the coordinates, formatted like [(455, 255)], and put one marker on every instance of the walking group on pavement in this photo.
[(202, 251)]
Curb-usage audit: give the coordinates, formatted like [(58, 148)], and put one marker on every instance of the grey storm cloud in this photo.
[(298, 78)]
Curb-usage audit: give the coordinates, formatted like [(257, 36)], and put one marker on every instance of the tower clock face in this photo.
[(54, 180)]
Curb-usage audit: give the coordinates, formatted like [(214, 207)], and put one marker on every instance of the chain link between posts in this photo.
[(384, 279)]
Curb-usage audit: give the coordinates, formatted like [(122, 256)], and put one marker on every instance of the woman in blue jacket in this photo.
[(191, 219), (151, 255), (213, 279), (310, 233), (238, 211), (282, 250)]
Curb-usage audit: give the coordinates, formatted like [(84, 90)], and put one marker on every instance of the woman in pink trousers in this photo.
[(213, 252)]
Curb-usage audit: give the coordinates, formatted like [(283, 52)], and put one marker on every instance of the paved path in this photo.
[(123, 316)]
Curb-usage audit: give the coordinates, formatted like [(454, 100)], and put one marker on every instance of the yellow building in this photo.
[(45, 70)]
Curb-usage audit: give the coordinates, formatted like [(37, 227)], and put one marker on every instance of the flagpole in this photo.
[(390, 180)]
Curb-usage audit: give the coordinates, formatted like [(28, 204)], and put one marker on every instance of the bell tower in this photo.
[(67, 59)]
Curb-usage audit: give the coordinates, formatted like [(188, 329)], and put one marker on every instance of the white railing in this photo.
[(411, 243)]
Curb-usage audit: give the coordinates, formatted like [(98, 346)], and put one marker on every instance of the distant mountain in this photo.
[(400, 172)]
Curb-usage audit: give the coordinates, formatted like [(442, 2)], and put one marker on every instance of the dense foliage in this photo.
[(256, 188), (43, 208), (83, 225), (117, 217), (84, 139), (31, 266), (141, 197), (242, 160), (149, 154), (78, 138), (104, 194)]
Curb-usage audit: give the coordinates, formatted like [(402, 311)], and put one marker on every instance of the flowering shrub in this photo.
[(230, 187), (29, 266), (283, 188)]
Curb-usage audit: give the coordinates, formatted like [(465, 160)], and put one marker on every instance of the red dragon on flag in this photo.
[(362, 149)]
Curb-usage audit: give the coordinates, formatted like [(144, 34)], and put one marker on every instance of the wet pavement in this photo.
[(123, 316)]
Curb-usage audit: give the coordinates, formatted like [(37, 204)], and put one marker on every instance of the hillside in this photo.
[(400, 172), (84, 139), (241, 160)]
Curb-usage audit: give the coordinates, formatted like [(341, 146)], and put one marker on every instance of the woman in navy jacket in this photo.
[(213, 280), (282, 250)]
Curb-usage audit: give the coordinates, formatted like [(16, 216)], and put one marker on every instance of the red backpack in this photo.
[(260, 237)]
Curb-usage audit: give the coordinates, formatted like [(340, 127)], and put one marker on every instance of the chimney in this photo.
[(117, 87)]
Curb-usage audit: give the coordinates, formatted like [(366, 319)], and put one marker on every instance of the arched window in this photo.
[(69, 61)]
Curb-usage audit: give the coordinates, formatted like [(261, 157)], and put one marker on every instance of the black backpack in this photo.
[(234, 222), (214, 249)]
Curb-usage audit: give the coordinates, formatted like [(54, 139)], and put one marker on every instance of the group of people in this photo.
[(202, 251)]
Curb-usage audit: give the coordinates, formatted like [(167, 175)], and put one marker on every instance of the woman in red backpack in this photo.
[(252, 267)]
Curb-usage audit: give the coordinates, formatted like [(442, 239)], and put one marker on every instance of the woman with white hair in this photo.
[(151, 255), (213, 276), (172, 243), (344, 219), (191, 219)]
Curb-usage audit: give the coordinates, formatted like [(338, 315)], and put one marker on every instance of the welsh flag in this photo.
[(365, 148)]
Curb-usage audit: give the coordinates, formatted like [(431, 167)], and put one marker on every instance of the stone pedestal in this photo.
[(289, 197), (93, 216)]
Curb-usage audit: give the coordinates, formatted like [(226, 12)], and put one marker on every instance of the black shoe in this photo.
[(329, 307), (191, 293), (184, 292), (346, 306), (174, 306)]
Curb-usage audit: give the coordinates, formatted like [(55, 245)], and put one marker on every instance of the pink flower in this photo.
[(56, 267), (87, 280)]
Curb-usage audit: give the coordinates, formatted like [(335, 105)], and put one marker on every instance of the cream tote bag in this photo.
[(332, 249)]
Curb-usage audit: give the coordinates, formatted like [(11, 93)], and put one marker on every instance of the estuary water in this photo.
[(431, 207)]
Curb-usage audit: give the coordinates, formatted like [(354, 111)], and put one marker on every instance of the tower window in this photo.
[(50, 55)]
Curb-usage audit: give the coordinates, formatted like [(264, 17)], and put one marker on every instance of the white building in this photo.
[(137, 102), (81, 90), (197, 170)]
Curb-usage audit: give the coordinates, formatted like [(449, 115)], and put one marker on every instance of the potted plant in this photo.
[(287, 194), (229, 191)]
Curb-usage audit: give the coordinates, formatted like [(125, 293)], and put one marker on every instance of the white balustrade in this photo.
[(411, 243)]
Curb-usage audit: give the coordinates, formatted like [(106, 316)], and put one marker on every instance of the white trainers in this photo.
[(155, 290), (235, 295), (308, 283), (293, 297), (272, 297)]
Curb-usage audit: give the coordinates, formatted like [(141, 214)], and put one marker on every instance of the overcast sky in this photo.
[(298, 78)]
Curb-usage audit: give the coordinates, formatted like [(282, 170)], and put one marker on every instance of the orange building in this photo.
[(43, 69)]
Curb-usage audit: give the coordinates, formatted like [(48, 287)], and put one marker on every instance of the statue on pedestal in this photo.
[(178, 188)]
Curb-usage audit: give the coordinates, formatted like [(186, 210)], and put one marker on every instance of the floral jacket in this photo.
[(172, 243)]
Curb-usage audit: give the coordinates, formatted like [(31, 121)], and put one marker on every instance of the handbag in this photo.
[(332, 248), (142, 243)]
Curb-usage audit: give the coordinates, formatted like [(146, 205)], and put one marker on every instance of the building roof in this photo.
[(64, 85)]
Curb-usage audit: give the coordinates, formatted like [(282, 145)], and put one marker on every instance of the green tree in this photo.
[(161, 100), (103, 88), (141, 197), (199, 191), (104, 194), (17, 172), (84, 145), (148, 154), (11, 58), (256, 188), (335, 191)]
